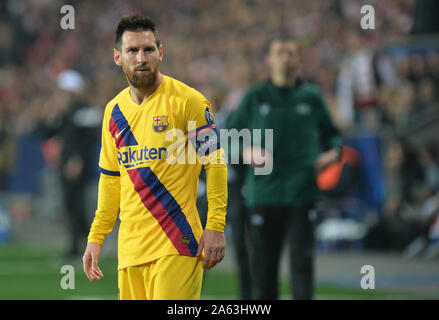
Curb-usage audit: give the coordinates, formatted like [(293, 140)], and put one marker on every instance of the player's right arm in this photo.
[(108, 202), (103, 223)]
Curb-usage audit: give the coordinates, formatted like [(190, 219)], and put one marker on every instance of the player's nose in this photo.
[(141, 58)]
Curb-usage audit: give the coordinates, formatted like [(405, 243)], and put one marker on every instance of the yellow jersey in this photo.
[(147, 148)]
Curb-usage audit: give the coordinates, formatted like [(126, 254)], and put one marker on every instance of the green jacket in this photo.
[(302, 128)]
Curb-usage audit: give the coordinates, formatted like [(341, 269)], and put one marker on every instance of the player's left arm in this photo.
[(213, 240), (206, 141)]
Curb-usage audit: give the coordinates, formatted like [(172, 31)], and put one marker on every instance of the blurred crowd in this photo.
[(378, 85)]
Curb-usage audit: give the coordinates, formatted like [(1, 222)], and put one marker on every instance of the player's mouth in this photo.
[(143, 70)]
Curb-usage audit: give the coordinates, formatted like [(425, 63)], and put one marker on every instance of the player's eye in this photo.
[(132, 50)]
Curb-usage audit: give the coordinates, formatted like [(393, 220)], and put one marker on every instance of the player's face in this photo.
[(283, 57), (139, 58)]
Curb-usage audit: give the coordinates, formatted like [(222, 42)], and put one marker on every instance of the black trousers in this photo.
[(270, 229), (240, 236), (75, 206)]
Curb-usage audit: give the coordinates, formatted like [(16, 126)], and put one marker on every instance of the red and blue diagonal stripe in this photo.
[(207, 127), (162, 205), (120, 129), (205, 139)]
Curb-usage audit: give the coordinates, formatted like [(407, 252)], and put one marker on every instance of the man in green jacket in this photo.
[(304, 143)]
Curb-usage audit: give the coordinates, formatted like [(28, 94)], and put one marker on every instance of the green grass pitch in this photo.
[(28, 273)]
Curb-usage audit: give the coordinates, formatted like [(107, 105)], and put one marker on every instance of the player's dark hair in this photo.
[(136, 22)]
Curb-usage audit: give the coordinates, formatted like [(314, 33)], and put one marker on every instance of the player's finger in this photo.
[(87, 266), (213, 258), (220, 255), (97, 270), (94, 276), (213, 263), (90, 275), (94, 264), (207, 259), (200, 247), (97, 273)]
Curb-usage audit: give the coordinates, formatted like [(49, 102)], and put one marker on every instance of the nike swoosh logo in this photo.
[(120, 132)]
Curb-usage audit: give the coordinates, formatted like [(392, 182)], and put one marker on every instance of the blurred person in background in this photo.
[(426, 207), (403, 176), (74, 125), (426, 21), (237, 215), (240, 222), (356, 87), (239, 219), (6, 150), (281, 202)]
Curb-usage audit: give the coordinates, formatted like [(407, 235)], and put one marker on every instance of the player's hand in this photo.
[(214, 245), (326, 159), (90, 261), (255, 156)]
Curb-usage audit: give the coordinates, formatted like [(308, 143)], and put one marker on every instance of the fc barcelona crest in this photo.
[(160, 123)]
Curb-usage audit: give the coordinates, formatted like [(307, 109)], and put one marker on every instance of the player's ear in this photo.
[(117, 57)]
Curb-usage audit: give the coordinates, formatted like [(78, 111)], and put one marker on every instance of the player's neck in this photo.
[(139, 95)]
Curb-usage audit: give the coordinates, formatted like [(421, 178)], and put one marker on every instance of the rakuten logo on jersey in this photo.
[(135, 156)]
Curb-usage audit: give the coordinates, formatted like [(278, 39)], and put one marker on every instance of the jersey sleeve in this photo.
[(205, 138), (108, 207), (109, 186), (202, 131), (216, 189), (108, 156)]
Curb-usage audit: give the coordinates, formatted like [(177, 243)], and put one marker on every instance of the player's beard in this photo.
[(140, 80)]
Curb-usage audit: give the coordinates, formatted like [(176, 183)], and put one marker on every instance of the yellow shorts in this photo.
[(168, 278)]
